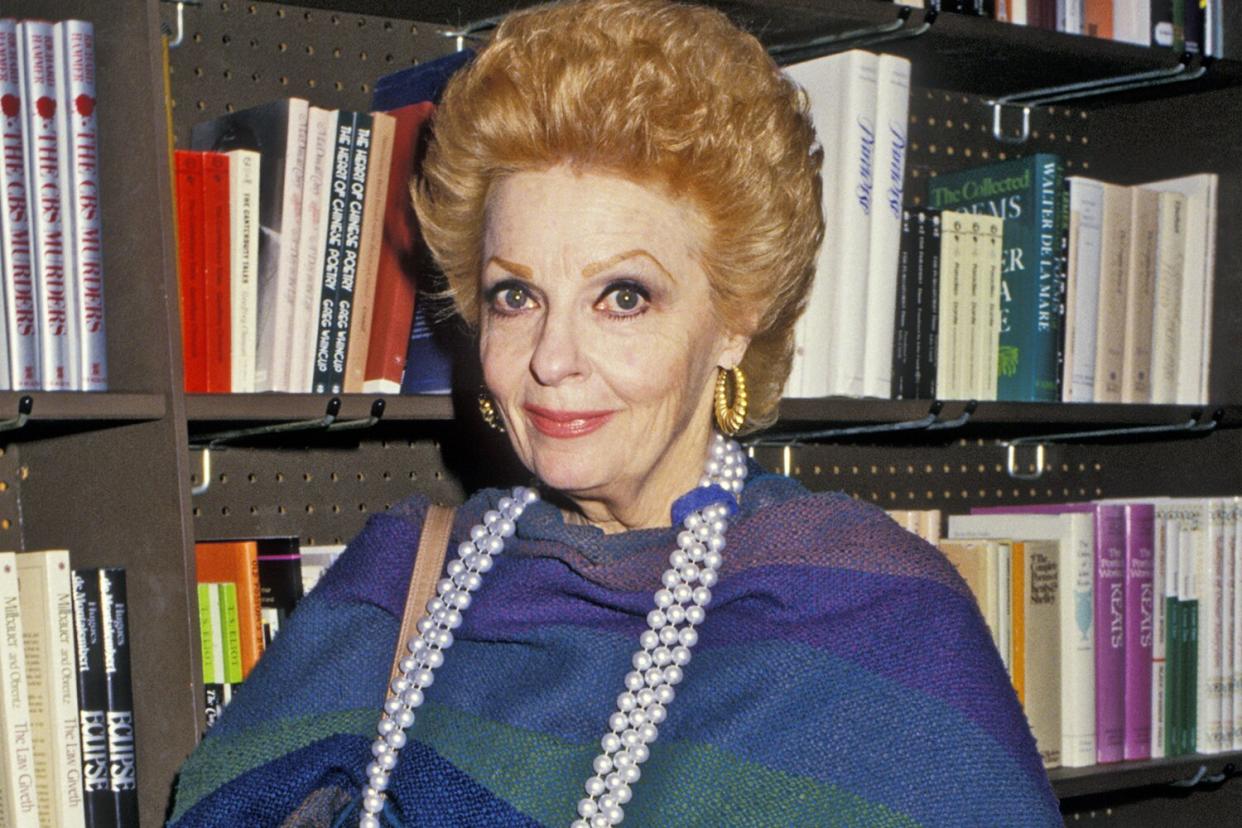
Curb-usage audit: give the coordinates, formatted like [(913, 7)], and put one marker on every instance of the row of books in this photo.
[(1181, 25), (925, 523), (246, 589), (66, 702), (52, 334), (1112, 303), (298, 249), (1120, 622)]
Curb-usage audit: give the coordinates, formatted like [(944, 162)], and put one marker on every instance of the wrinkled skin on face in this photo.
[(598, 339)]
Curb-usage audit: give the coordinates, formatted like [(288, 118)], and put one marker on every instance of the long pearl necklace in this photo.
[(664, 647)]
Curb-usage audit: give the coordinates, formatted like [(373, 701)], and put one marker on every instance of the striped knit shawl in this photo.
[(844, 676)]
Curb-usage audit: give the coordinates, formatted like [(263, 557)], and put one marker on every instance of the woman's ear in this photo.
[(733, 349)]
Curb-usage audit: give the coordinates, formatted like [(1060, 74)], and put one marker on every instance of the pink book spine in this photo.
[(1110, 632), (21, 314), (1140, 521), (43, 181)]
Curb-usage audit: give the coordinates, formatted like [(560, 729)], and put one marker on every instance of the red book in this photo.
[(236, 562), (1098, 18), (216, 269), (395, 280), (190, 254)]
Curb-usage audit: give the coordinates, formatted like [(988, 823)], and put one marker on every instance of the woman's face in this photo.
[(598, 338)]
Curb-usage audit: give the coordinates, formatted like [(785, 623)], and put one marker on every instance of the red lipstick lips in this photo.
[(566, 424)]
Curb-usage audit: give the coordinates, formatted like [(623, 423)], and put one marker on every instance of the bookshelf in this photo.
[(84, 450)]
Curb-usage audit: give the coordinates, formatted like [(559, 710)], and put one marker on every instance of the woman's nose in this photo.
[(557, 356)]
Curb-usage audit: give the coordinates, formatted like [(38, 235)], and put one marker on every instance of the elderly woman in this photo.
[(624, 196)]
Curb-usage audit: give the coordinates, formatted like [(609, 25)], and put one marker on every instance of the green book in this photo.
[(206, 633), (232, 632), (1172, 676), (1031, 196), (1190, 658)]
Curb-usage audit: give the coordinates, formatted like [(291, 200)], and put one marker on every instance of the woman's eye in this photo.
[(515, 298), (624, 300), (510, 298)]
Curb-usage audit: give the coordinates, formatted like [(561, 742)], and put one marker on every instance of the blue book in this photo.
[(423, 82), (428, 366)]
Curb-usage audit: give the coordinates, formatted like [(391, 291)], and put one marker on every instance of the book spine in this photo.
[(92, 698), (337, 196), (207, 652), (1078, 644), (379, 165), (927, 333), (44, 145), (1236, 596), (1139, 603), (1098, 18), (1166, 324), (47, 627), (1017, 618), (360, 159), (903, 322), (1110, 543), (215, 291), (987, 330), (1190, 656), (951, 324), (304, 293), (1159, 634), (1209, 592), (76, 42), (230, 625), (1140, 293), (20, 306), (244, 234), (891, 126), (1041, 596), (1082, 290), (1228, 585), (122, 761), (190, 239), (1111, 306), (275, 355), (21, 801)]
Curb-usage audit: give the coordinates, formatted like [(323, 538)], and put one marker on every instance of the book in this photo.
[(47, 639), (379, 166), (1029, 194), (902, 368), (19, 802), (1140, 601), (44, 146), (230, 621), (1140, 297), (1110, 545), (1115, 251), (304, 292), (334, 195), (954, 329), (1041, 645), (1236, 640), (276, 130), (236, 562), (244, 172), (280, 583), (891, 145), (92, 698), (122, 757), (973, 562), (1166, 322), (1082, 289), (315, 561), (1159, 631), (75, 75), (21, 366), (215, 310), (211, 649), (988, 263), (395, 277), (359, 168)]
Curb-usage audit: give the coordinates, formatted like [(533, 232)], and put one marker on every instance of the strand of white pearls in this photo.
[(665, 646), (435, 635)]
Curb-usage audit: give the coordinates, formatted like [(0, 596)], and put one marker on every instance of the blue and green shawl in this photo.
[(843, 677)]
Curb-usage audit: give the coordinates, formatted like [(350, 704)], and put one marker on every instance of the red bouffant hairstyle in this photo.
[(663, 94)]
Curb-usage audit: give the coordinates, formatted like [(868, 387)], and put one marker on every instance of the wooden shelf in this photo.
[(1098, 779), (58, 413), (213, 409)]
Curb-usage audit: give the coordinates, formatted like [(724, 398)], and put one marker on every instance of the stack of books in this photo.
[(66, 702), (51, 247), (297, 246), (246, 590), (1120, 621)]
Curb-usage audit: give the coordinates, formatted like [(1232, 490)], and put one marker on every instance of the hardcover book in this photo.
[(19, 801), (237, 562), (335, 194), (244, 166), (1029, 194), (122, 758), (346, 292), (92, 698), (20, 370), (1140, 600)]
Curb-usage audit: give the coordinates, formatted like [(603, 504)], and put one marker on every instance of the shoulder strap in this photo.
[(428, 564)]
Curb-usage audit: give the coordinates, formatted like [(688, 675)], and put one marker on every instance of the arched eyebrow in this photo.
[(513, 267), (595, 267)]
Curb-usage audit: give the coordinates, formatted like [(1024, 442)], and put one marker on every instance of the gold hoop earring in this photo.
[(487, 410), (730, 417)]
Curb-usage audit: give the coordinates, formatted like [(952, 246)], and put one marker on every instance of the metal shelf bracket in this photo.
[(930, 422), (176, 36), (898, 29), (24, 406), (1196, 425)]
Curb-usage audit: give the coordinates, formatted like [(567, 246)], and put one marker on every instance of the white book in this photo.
[(1004, 601), (1166, 316), (1228, 580), (1082, 288), (320, 141), (1198, 279), (842, 91), (1162, 579), (44, 145), (1076, 533), (19, 803), (1236, 661), (20, 310), (79, 163), (1208, 541), (220, 673), (892, 111), (51, 674), (1132, 23), (988, 266), (244, 266)]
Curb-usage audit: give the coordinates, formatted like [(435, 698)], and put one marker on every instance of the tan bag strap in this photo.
[(428, 564)]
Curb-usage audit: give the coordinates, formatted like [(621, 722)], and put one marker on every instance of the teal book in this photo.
[(1031, 196)]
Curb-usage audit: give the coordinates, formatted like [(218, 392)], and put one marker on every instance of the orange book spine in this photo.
[(1017, 605), (216, 266), (190, 268), (238, 562), (1097, 18)]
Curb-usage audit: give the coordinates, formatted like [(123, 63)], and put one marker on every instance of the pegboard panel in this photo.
[(12, 473), (950, 131), (236, 55), (322, 496)]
